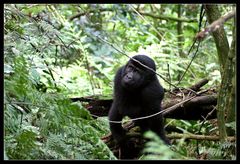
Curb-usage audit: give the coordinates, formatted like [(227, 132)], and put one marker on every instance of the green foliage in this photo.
[(224, 150), (49, 57), (48, 126), (155, 149), (232, 125), (208, 149)]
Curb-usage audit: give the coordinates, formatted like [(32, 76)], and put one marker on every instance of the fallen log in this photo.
[(195, 109)]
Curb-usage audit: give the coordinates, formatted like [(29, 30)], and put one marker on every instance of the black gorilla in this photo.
[(137, 93)]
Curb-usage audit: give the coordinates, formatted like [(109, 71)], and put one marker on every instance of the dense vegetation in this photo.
[(58, 51)]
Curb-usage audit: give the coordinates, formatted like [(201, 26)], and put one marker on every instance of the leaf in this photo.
[(15, 51), (35, 75), (33, 9), (8, 68)]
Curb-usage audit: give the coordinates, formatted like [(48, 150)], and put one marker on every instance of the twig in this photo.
[(191, 60), (204, 120), (90, 11), (140, 15), (25, 103), (198, 137), (169, 75), (172, 108)]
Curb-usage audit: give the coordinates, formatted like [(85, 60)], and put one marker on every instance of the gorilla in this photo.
[(137, 93)]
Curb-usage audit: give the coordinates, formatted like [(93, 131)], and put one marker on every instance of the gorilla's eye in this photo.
[(137, 70), (130, 68)]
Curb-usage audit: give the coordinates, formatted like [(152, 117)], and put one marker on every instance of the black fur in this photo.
[(137, 93)]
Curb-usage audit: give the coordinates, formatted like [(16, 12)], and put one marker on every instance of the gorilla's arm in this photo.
[(114, 114), (116, 128)]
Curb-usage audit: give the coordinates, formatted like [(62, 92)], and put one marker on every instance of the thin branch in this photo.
[(45, 62), (168, 17), (90, 11), (199, 131), (140, 15), (168, 110), (25, 103), (143, 13), (198, 137), (202, 13), (191, 60), (169, 75), (174, 107)]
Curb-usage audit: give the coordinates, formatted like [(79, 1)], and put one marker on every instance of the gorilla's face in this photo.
[(135, 75)]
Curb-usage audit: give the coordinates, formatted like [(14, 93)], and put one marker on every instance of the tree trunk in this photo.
[(219, 35), (230, 72), (227, 66), (180, 32)]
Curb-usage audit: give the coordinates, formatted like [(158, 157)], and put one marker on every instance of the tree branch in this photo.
[(168, 17), (143, 13), (198, 137), (89, 11), (198, 85), (215, 25)]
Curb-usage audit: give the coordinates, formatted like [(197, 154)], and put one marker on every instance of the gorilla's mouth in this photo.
[(128, 83)]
